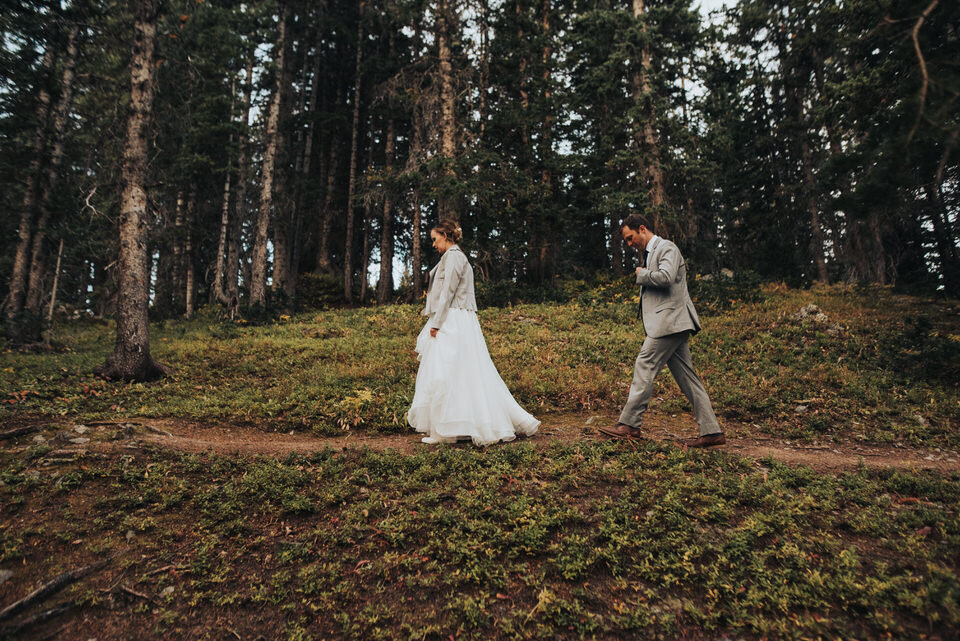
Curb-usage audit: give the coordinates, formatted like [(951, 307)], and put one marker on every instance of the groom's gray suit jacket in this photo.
[(666, 304), (451, 286)]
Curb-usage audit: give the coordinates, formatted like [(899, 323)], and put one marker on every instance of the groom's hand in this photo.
[(639, 269), (433, 332)]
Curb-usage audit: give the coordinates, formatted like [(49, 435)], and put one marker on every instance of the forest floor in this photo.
[(568, 429), (269, 489), (178, 529)]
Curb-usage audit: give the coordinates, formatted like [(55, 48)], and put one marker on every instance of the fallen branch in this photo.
[(18, 432), (8, 631), (129, 590), (164, 569), (157, 430), (51, 587)]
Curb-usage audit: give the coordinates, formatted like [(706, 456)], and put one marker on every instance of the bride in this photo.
[(459, 392)]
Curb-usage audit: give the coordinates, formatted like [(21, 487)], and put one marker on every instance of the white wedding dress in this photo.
[(459, 392)]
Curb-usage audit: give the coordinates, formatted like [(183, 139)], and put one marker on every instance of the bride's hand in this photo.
[(433, 332)]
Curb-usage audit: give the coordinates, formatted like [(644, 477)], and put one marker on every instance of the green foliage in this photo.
[(882, 367), (319, 291), (575, 540)]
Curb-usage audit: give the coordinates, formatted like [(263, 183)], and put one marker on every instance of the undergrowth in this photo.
[(882, 367)]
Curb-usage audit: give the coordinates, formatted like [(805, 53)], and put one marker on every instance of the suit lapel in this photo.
[(646, 264)]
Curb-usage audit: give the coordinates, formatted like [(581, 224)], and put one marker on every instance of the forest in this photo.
[(214, 247), (277, 155)]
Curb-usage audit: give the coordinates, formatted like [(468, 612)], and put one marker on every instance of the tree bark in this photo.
[(545, 229), (813, 209), (178, 276), (20, 272), (385, 283), (311, 110), (354, 142), (284, 209), (645, 137), (48, 330), (484, 65), (367, 224), (232, 285), (131, 359), (218, 294), (324, 264), (365, 259), (163, 288), (445, 205), (258, 284), (56, 280), (189, 266), (58, 132), (878, 264), (416, 268)]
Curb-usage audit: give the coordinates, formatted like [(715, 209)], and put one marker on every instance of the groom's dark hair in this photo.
[(635, 221)]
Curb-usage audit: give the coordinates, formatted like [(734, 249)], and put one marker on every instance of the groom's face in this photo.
[(635, 237)]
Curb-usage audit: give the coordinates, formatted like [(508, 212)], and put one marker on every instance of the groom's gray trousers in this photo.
[(671, 350)]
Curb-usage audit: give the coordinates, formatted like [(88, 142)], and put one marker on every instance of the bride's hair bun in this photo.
[(450, 229)]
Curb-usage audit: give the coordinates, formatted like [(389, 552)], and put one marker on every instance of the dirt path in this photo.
[(192, 436)]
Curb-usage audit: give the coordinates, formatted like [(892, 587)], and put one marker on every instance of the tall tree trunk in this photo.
[(218, 294), (163, 288), (258, 284), (385, 283), (416, 268), (130, 359), (21, 261), (545, 229), (351, 187), (58, 133), (367, 229), (178, 264), (813, 209), (189, 268), (484, 65), (99, 294), (878, 263), (365, 258), (324, 264), (942, 230), (645, 137), (284, 215), (311, 110), (445, 205), (232, 285), (303, 168)]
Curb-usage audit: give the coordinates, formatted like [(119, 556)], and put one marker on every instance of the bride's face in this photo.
[(440, 242)]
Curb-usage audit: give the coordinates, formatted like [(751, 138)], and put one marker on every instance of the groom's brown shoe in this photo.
[(707, 440), (622, 431)]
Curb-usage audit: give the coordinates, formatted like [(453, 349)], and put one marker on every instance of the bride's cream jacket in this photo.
[(451, 286)]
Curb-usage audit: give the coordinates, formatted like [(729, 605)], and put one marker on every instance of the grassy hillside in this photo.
[(581, 540), (882, 367)]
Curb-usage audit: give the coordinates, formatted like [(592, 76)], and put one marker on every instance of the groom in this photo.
[(669, 319)]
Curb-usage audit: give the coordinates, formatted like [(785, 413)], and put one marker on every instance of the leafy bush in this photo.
[(319, 291), (503, 293), (711, 293), (716, 292)]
